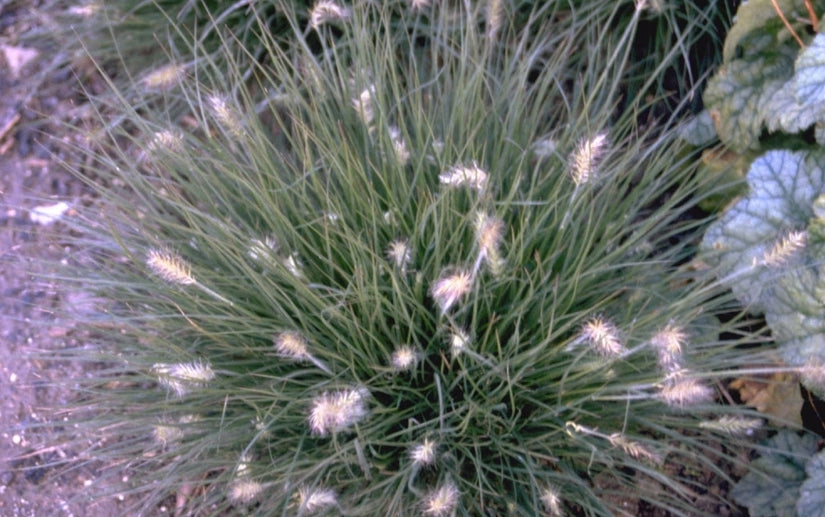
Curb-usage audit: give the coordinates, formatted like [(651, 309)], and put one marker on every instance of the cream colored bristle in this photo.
[(404, 358), (680, 391), (584, 161), (785, 248), (441, 501), (602, 336), (165, 77), (459, 176), (226, 115), (170, 267), (244, 490), (451, 288), (495, 17), (311, 500), (732, 425), (634, 449), (551, 501), (333, 412), (423, 454), (182, 377), (668, 344), (291, 344), (399, 254), (325, 11)]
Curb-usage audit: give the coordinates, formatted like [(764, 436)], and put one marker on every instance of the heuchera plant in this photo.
[(769, 249), (771, 79), (769, 245)]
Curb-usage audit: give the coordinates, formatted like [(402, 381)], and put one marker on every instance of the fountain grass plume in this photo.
[(339, 196)]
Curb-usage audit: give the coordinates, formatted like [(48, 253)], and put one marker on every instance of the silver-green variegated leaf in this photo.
[(753, 16), (769, 248), (772, 488), (809, 77), (739, 97), (811, 501), (699, 130), (800, 104), (784, 112)]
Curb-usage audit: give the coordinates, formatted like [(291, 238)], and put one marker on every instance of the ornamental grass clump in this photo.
[(417, 336)]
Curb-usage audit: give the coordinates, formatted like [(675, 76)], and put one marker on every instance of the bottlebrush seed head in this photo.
[(294, 265), (326, 11), (363, 105), (668, 344), (732, 425), (417, 5), (459, 176), (87, 10), (244, 490), (182, 377), (634, 449), (399, 254), (585, 160), (551, 501), (166, 434), (680, 390), (489, 232), (451, 288), (785, 248), (170, 267), (227, 117), (441, 501), (495, 17), (165, 77), (602, 336), (399, 146), (459, 341), (315, 499), (423, 454), (333, 412), (404, 358), (291, 344), (166, 141)]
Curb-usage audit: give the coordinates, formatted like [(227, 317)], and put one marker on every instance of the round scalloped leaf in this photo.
[(809, 79), (795, 309), (784, 112), (801, 351), (753, 15), (769, 248), (699, 130), (772, 488), (739, 96), (800, 104), (811, 501), (782, 186)]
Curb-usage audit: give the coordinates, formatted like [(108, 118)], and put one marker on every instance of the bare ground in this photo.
[(34, 480)]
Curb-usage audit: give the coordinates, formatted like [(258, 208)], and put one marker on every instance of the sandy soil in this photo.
[(33, 387)]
